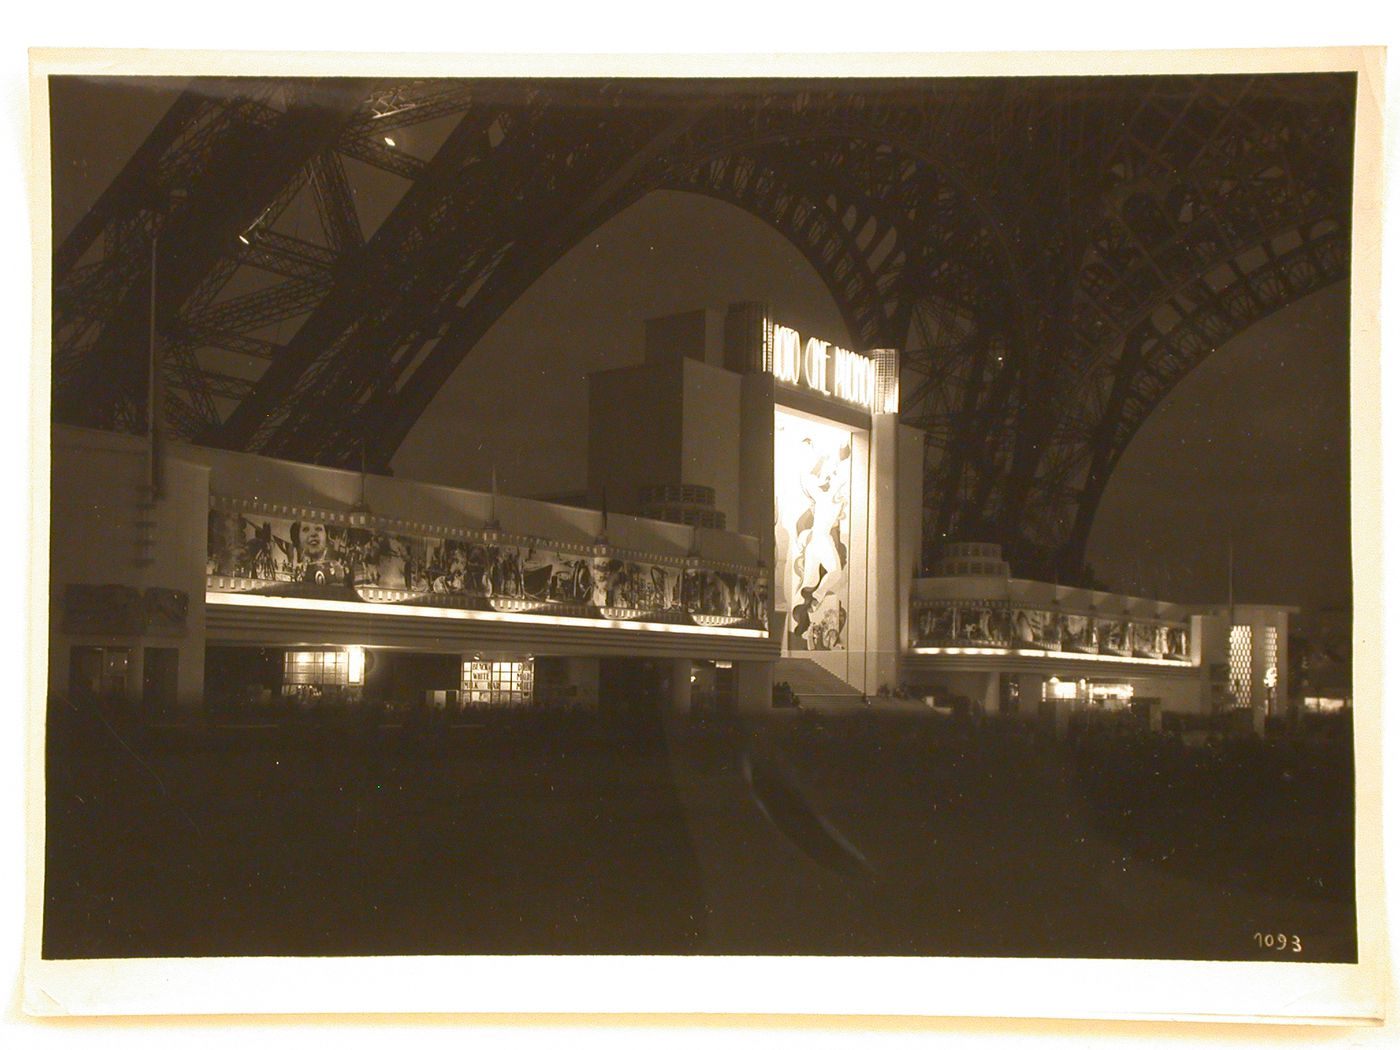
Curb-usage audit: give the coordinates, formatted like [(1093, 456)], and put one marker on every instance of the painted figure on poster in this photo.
[(813, 523), (1076, 633), (314, 561), (1176, 643), (392, 561), (269, 555), (576, 583), (226, 535), (1029, 627)]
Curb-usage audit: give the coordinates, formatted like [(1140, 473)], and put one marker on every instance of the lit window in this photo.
[(1107, 692), (1324, 704), (498, 681), (1241, 640), (316, 667)]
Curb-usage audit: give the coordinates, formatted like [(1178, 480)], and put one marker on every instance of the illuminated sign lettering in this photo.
[(832, 371), (787, 354)]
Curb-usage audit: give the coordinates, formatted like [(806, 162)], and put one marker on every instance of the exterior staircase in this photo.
[(815, 687)]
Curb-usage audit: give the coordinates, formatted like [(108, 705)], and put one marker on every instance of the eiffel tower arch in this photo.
[(1051, 255)]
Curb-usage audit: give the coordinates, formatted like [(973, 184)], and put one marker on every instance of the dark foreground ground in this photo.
[(558, 833)]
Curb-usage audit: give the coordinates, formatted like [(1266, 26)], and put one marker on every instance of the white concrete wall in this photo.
[(1050, 596), (299, 484), (634, 432), (1187, 696), (104, 529), (850, 664), (1213, 631), (986, 588), (710, 440), (755, 427), (697, 334), (909, 496), (1261, 619), (883, 577)]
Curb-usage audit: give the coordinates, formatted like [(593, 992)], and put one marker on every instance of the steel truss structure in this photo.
[(1051, 255)]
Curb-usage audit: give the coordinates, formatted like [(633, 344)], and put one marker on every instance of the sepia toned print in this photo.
[(850, 615)]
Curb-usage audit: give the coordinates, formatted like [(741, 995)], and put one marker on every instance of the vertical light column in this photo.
[(853, 665), (909, 510), (882, 565), (1241, 665)]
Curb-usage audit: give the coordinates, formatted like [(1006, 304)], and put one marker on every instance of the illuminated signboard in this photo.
[(817, 365)]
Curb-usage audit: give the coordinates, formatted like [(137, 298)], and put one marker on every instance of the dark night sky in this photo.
[(1252, 444)]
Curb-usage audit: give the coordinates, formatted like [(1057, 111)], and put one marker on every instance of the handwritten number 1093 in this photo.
[(1279, 942)]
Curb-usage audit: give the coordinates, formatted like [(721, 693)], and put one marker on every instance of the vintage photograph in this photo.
[(681, 516)]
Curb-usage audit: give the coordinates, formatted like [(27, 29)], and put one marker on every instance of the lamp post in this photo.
[(162, 208)]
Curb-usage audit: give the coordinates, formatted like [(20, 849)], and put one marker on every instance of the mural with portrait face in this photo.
[(278, 550), (291, 553)]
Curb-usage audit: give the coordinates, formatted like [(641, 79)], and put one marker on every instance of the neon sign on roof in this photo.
[(817, 365)]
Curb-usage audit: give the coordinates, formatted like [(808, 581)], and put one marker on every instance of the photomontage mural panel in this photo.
[(1003, 625), (312, 554), (963, 623)]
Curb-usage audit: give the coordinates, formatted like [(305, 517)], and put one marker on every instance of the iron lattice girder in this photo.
[(1080, 454), (1247, 224), (1013, 236), (364, 280), (603, 178), (216, 384), (254, 310), (335, 202), (244, 169), (794, 216), (408, 313), (828, 236), (1165, 357), (289, 256)]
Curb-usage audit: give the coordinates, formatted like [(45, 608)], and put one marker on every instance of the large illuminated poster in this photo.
[(812, 530)]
